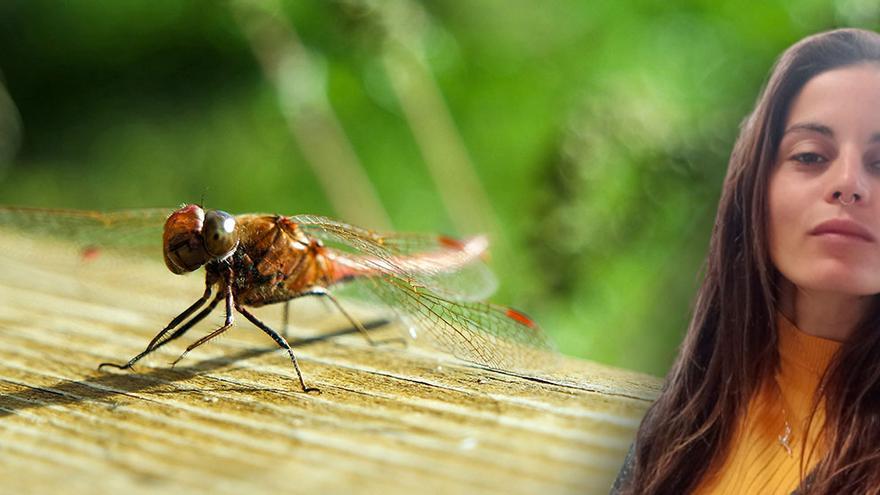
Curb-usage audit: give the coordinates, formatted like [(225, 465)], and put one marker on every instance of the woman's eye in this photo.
[(808, 158)]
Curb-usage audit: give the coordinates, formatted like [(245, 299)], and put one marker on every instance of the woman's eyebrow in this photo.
[(813, 126), (824, 130)]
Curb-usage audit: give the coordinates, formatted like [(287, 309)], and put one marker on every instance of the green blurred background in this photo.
[(590, 139)]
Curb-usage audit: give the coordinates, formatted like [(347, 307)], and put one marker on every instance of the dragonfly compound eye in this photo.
[(182, 240), (219, 233)]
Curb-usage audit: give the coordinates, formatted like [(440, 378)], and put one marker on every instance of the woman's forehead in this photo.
[(844, 100)]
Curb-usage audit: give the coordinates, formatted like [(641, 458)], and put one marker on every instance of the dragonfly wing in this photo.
[(451, 268), (130, 231), (470, 283), (479, 332)]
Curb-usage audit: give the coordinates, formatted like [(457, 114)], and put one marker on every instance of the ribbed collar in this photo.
[(803, 359), (799, 350)]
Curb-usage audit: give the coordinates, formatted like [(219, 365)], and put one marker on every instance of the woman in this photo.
[(777, 385)]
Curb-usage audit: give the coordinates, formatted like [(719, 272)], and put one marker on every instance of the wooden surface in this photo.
[(230, 418)]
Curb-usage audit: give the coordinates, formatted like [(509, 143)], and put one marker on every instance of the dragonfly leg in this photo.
[(281, 341), (163, 338), (286, 318), (176, 321), (321, 291), (226, 325), (326, 306), (285, 315)]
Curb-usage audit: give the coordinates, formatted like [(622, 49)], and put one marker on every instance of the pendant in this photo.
[(785, 439)]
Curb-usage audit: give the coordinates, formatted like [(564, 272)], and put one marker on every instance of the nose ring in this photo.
[(839, 197)]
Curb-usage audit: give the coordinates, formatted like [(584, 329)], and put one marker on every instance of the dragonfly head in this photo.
[(194, 237)]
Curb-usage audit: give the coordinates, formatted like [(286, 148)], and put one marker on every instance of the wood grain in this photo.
[(230, 417)]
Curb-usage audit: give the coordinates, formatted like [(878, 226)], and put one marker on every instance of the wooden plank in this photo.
[(230, 418)]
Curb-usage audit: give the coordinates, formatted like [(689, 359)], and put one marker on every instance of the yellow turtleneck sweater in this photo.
[(756, 461)]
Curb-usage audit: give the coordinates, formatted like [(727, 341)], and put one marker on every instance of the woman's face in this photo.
[(830, 151)]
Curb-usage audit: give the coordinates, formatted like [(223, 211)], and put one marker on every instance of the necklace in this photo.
[(785, 438)]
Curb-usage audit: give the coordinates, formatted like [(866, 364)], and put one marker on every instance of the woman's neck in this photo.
[(830, 315)]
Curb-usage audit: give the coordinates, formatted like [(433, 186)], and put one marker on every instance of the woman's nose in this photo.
[(848, 182)]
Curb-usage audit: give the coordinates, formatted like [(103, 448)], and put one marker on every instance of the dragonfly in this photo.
[(437, 285)]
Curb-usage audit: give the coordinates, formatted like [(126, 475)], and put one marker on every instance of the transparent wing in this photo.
[(479, 332), (136, 232), (451, 268), (422, 291)]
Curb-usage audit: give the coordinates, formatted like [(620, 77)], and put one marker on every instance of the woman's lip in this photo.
[(842, 236), (843, 227)]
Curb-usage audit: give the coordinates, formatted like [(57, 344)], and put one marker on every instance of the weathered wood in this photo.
[(230, 417)]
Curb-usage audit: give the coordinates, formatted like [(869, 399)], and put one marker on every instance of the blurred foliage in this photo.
[(599, 131)]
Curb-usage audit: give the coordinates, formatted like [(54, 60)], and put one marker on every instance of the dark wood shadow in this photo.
[(104, 387)]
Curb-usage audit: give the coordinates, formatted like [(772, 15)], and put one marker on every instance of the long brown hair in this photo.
[(731, 342)]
